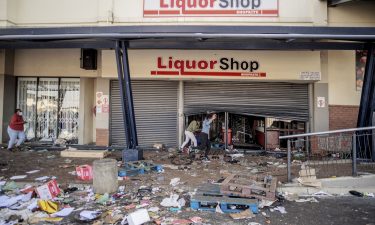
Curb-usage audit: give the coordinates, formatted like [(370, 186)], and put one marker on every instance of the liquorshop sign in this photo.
[(196, 8), (224, 66)]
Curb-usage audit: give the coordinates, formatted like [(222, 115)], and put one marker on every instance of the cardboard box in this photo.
[(49, 190)]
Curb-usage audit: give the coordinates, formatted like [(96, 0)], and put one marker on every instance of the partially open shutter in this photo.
[(280, 100)]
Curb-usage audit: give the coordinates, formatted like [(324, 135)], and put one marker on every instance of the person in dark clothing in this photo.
[(206, 125), (16, 129)]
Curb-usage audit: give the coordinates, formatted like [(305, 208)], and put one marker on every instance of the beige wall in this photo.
[(279, 65), (50, 62), (342, 84), (52, 12), (130, 12), (100, 12), (352, 14)]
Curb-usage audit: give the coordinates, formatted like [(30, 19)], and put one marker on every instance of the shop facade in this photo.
[(253, 88), (170, 87)]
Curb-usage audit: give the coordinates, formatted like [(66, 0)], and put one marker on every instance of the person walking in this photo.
[(193, 127), (206, 125), (16, 129)]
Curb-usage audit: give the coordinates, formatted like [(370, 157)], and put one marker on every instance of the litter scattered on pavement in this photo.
[(175, 181), (321, 194), (246, 214), (18, 177), (63, 213), (356, 193), (32, 171), (307, 200), (281, 209)]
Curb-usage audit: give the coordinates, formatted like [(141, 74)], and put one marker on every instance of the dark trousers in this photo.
[(205, 143)]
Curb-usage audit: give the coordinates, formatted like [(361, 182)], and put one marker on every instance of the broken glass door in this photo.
[(47, 109), (68, 109)]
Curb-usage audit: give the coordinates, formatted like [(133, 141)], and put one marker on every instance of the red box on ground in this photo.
[(84, 172), (48, 190)]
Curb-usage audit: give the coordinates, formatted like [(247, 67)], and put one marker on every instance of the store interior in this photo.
[(248, 132)]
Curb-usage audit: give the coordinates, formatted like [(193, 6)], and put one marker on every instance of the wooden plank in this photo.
[(85, 153)]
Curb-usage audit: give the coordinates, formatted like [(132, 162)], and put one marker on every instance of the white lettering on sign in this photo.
[(214, 67), (176, 8), (310, 76)]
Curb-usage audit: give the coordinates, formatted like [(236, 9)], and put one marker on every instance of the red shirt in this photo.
[(16, 123)]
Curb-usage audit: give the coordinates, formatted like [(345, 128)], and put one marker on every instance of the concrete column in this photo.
[(85, 128), (320, 89), (7, 91), (102, 119), (181, 117), (321, 114)]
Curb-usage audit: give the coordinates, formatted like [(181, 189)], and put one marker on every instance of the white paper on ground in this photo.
[(281, 209), (307, 200), (154, 209), (321, 193), (27, 197), (171, 201), (42, 178), (89, 215), (2, 183), (7, 201), (3, 222), (175, 181), (138, 217), (62, 213), (32, 171), (265, 203), (218, 209), (33, 205), (181, 202), (18, 177)]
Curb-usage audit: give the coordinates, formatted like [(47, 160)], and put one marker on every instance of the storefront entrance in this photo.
[(50, 107), (250, 107)]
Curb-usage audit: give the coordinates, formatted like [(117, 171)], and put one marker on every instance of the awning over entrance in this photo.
[(190, 37)]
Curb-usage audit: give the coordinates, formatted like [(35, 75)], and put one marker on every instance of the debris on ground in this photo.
[(187, 192), (307, 177), (356, 193)]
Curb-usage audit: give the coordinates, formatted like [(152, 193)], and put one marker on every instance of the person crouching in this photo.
[(16, 130)]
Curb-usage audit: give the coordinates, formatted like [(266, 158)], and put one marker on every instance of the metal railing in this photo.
[(332, 153)]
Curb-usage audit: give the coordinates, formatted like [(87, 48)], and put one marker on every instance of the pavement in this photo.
[(333, 186)]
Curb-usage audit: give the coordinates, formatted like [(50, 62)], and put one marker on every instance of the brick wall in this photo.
[(342, 116), (102, 137)]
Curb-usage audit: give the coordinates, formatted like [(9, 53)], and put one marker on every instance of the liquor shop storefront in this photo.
[(254, 92)]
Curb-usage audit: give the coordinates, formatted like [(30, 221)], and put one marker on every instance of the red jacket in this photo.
[(16, 123)]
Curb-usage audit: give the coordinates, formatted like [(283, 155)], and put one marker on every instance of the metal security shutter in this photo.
[(279, 100), (155, 108), (116, 122)]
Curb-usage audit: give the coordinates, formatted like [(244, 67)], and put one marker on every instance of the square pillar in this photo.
[(86, 97)]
